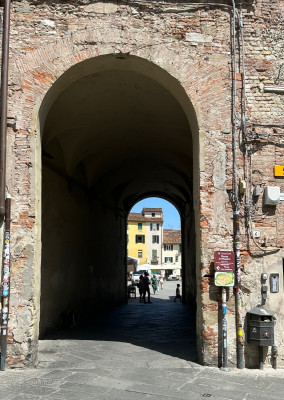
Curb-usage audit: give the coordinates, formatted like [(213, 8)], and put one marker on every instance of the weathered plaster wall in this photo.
[(193, 44)]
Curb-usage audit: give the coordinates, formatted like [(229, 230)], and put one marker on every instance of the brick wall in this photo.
[(193, 43)]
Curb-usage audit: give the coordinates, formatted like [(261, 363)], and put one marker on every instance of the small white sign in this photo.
[(255, 234)]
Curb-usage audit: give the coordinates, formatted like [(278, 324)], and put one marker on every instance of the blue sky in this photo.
[(171, 215)]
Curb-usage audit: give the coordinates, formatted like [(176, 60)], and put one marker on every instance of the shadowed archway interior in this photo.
[(114, 130)]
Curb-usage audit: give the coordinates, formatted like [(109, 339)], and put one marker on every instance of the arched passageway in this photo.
[(114, 129)]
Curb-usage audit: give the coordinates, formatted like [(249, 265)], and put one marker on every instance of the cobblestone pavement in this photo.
[(138, 351)]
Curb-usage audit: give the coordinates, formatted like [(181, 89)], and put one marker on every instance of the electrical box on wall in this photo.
[(256, 191), (274, 283), (264, 276), (242, 187), (279, 170), (271, 195)]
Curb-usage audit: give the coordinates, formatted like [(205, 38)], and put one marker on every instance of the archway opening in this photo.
[(113, 132), (154, 244)]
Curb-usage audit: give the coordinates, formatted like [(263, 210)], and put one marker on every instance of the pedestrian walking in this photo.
[(162, 282), (146, 289), (178, 295), (158, 281), (154, 284)]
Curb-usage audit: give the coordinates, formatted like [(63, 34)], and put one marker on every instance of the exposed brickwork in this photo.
[(194, 46)]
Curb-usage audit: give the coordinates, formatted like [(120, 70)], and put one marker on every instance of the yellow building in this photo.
[(136, 237)]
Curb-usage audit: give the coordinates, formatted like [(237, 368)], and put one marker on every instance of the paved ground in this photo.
[(139, 352)]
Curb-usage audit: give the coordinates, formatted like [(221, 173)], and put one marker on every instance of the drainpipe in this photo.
[(5, 286), (274, 89), (236, 214), (4, 96)]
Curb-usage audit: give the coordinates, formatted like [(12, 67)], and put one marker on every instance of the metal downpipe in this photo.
[(238, 293), (4, 100)]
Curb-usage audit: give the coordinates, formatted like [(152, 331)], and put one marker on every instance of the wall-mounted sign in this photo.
[(224, 279), (278, 170), (224, 261)]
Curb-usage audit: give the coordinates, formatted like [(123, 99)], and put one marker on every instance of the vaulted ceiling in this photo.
[(119, 125)]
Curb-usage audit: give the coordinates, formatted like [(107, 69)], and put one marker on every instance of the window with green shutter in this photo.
[(140, 239)]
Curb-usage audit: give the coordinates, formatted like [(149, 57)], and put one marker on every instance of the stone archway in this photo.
[(43, 76), (113, 128)]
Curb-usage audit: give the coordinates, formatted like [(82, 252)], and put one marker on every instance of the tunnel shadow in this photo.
[(164, 326)]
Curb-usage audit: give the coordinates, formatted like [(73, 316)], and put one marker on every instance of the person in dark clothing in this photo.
[(145, 286), (178, 295), (140, 287)]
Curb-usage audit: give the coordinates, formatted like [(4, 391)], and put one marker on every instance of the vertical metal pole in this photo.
[(238, 293), (4, 97), (5, 285), (224, 331)]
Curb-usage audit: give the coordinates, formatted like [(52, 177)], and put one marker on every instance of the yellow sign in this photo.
[(279, 170)]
